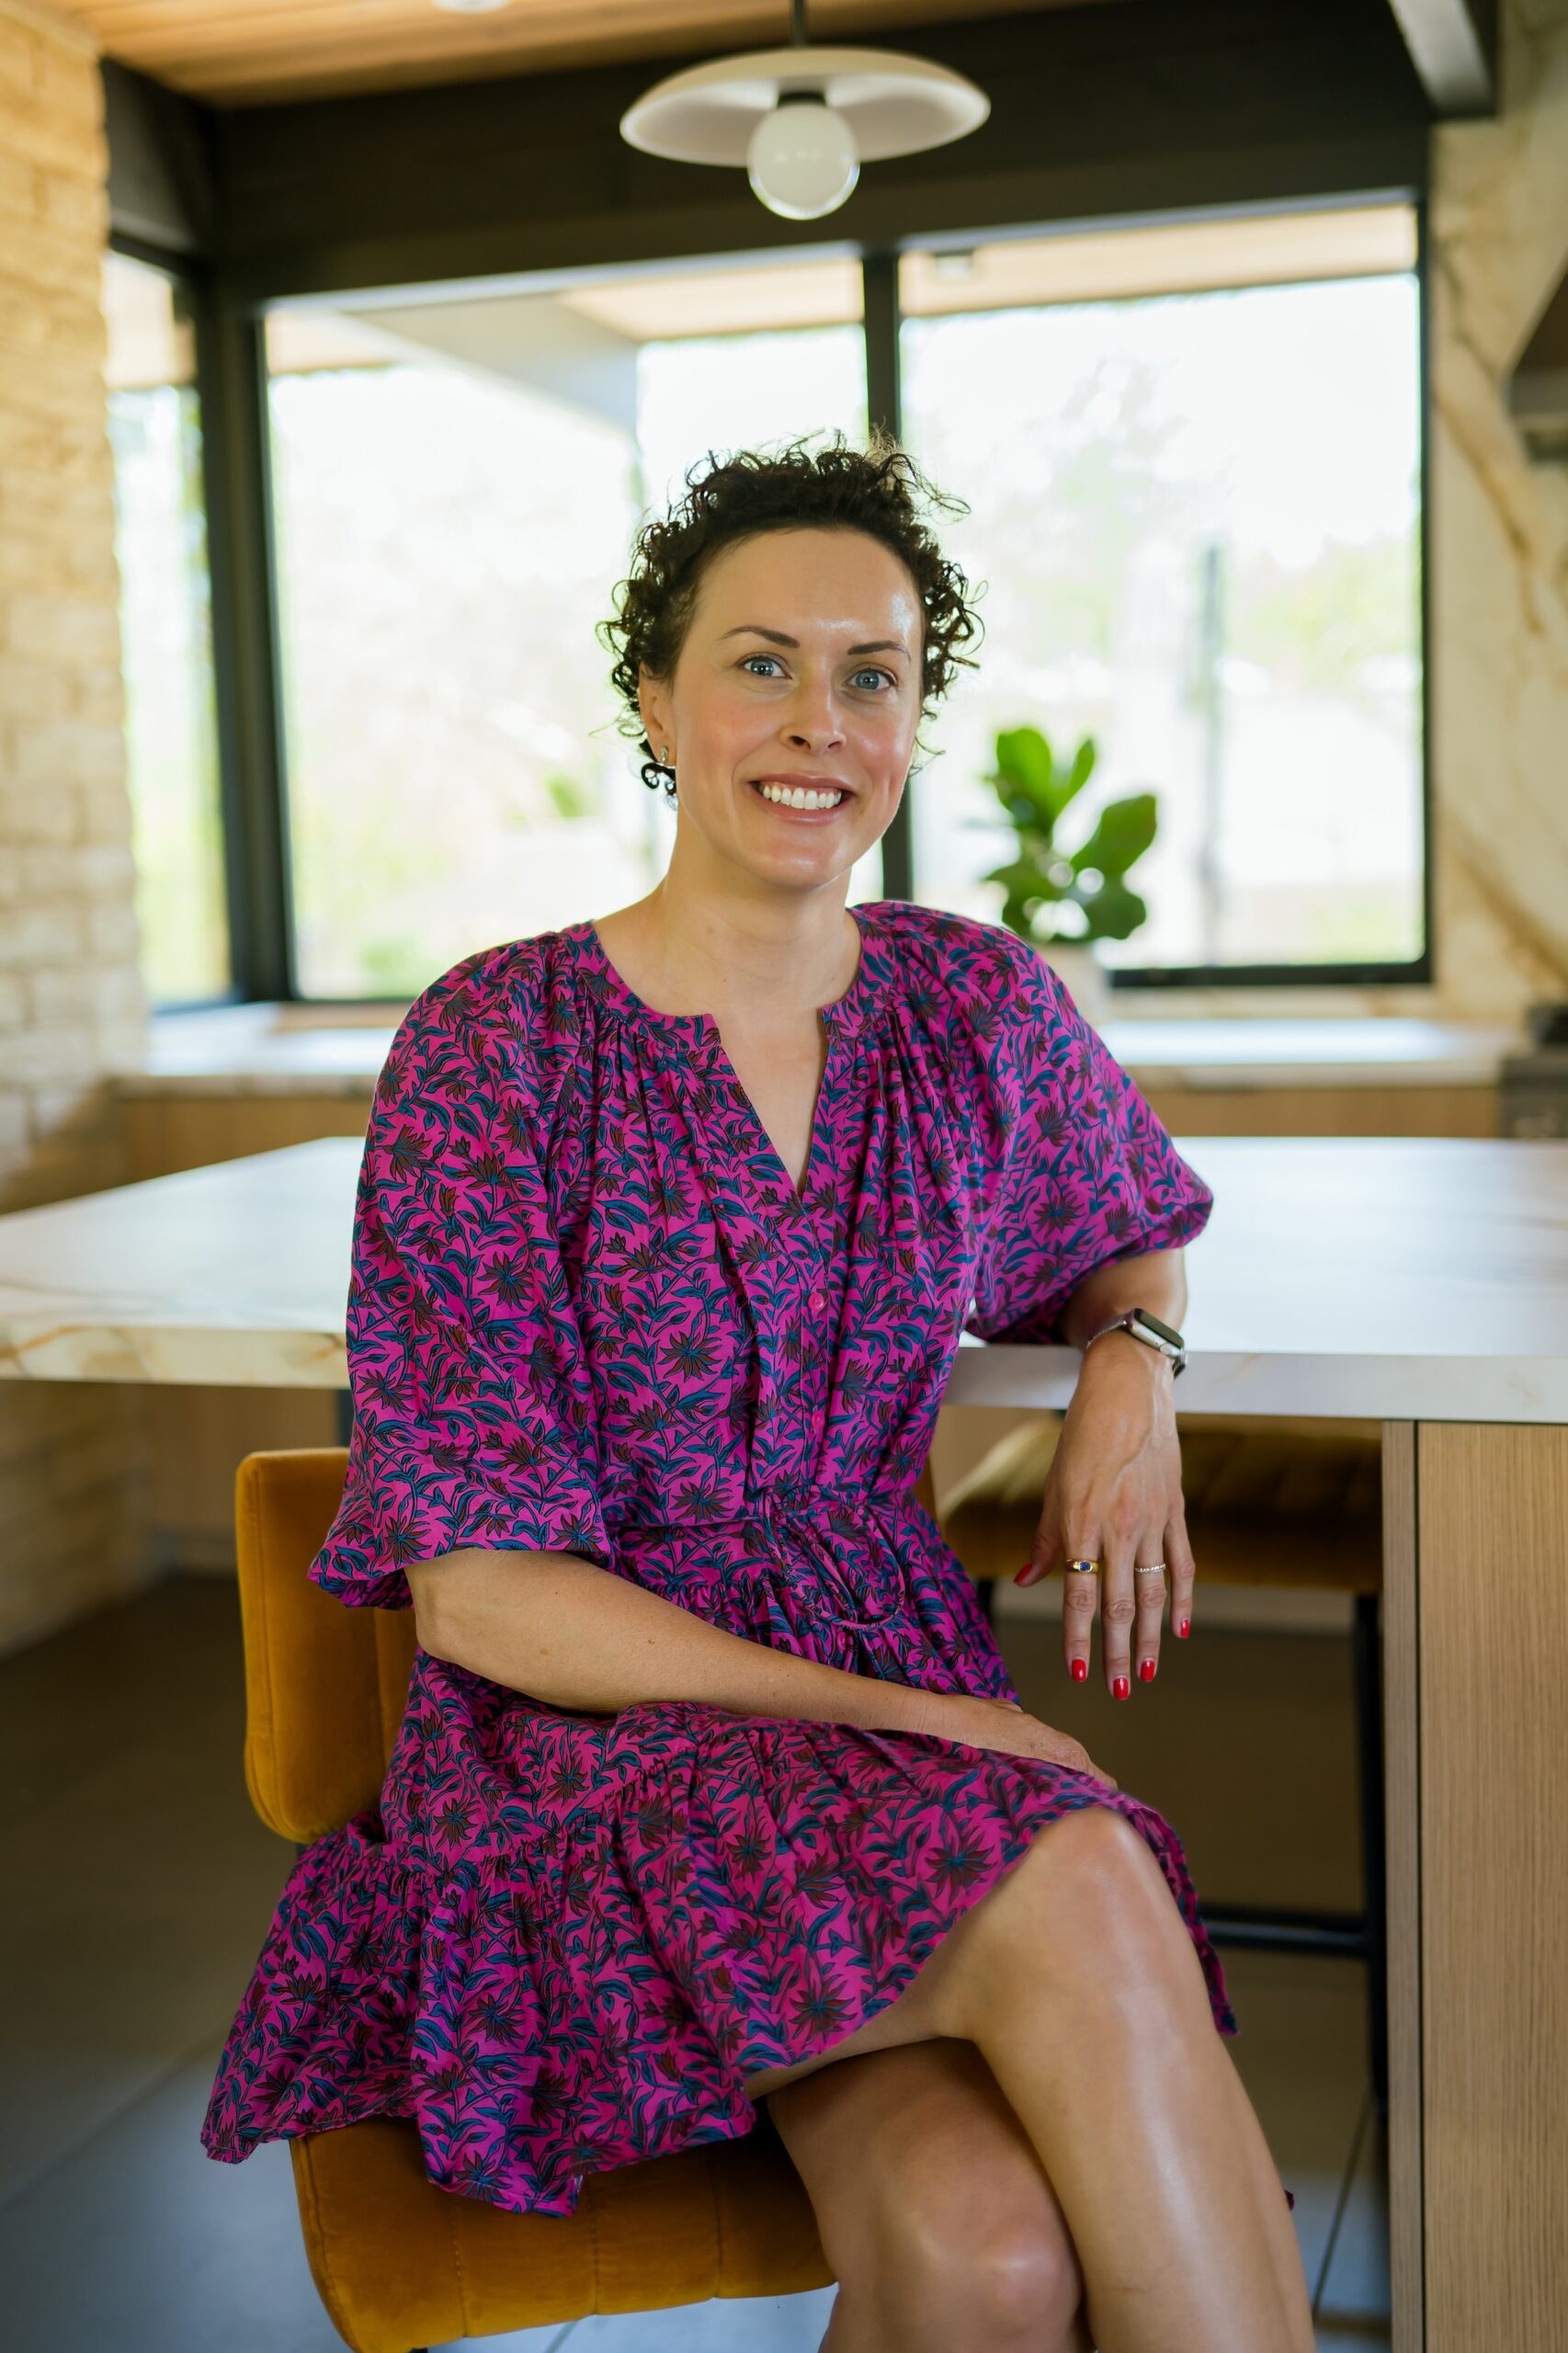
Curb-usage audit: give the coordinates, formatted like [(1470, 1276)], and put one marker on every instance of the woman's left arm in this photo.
[(1113, 1492)]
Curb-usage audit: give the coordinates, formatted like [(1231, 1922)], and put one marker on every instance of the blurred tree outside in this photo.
[(1197, 524), (448, 542), (166, 618)]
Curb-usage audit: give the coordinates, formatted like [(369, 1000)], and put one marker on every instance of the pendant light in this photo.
[(804, 120)]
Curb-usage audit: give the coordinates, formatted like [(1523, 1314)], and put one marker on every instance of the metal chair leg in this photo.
[(1367, 1657)]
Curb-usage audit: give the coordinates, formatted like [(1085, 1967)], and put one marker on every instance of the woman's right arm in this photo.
[(577, 1636)]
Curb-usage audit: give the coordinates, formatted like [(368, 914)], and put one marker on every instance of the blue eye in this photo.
[(872, 670)]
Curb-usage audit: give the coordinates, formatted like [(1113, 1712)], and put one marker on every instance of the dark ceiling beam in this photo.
[(1101, 113), (1453, 46), (163, 188)]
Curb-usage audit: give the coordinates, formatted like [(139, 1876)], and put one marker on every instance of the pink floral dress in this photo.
[(590, 1311)]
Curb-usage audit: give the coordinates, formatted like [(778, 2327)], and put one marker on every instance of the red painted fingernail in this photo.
[(1184, 1628), (1122, 1687), (1080, 1670), (1021, 1574), (1146, 1670)]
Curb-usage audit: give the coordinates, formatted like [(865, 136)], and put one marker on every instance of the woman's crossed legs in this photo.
[(935, 2211), (1126, 2201)]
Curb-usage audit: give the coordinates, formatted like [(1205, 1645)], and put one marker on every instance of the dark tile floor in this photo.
[(140, 1883)]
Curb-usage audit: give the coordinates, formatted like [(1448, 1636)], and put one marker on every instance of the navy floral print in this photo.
[(590, 1311)]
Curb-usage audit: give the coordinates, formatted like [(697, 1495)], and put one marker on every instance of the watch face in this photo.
[(1155, 1325)]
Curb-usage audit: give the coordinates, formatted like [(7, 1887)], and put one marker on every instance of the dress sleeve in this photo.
[(474, 1415), (1089, 1174)]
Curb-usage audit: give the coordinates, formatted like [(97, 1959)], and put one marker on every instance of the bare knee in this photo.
[(940, 2275), (1021, 2285), (1094, 1843), (1086, 1884), (1093, 1869)]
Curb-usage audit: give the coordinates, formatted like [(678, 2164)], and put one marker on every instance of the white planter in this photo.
[(1075, 961)]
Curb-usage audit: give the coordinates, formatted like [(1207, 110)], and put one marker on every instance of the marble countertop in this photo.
[(280, 1050), (1391, 1278)]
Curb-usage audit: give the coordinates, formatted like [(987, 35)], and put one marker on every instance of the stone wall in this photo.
[(72, 1005)]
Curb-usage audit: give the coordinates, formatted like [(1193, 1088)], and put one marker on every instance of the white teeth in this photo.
[(799, 796)]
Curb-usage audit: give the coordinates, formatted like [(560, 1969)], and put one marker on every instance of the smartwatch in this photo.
[(1150, 1331)]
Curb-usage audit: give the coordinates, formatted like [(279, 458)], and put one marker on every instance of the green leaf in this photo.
[(1023, 878), (1083, 768), (1115, 911), (1123, 831), (1028, 779), (1025, 758), (1025, 777)]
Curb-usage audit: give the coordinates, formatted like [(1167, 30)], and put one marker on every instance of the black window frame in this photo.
[(1391, 971), (232, 382), (193, 274)]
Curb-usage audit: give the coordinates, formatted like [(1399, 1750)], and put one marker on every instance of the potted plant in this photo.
[(1044, 879)]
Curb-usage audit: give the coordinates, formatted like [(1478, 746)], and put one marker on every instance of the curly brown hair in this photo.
[(838, 487)]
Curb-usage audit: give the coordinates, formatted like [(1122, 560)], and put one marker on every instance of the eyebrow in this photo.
[(874, 645)]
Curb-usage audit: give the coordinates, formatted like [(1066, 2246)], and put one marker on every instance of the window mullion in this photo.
[(232, 379), (884, 406)]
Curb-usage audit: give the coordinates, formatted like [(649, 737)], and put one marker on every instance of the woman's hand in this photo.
[(1113, 1495), (985, 1723)]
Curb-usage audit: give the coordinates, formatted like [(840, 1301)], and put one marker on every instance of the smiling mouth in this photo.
[(799, 797)]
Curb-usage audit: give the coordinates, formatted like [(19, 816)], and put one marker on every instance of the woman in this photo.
[(713, 1787)]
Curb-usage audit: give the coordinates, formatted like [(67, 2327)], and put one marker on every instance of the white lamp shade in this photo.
[(893, 105), (802, 161)]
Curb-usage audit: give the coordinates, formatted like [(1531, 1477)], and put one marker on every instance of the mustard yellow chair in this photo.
[(398, 2264), (1271, 1501)]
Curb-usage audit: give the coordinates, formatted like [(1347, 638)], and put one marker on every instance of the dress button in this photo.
[(818, 1301)]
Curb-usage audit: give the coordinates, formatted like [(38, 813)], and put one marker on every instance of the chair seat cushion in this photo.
[(399, 2262), (1270, 1501)]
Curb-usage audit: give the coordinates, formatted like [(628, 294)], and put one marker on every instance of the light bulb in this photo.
[(802, 159)]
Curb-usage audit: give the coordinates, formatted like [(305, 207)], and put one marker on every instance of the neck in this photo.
[(762, 959)]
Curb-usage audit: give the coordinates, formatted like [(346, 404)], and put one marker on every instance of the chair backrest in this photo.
[(325, 1686)]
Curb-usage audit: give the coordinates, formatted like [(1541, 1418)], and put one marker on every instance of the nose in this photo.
[(813, 718)]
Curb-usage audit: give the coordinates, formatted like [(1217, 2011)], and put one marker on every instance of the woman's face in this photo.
[(800, 675)]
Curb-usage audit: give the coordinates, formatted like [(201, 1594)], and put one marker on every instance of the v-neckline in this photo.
[(800, 1195), (697, 1035)]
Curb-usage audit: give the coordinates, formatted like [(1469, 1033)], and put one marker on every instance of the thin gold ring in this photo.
[(1092, 1565)]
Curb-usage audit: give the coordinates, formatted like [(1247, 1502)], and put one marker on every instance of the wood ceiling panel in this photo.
[(259, 52)]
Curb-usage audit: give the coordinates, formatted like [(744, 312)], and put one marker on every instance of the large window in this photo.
[(165, 633), (457, 487), (1192, 455)]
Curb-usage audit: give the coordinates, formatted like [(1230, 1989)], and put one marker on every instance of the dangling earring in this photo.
[(658, 775)]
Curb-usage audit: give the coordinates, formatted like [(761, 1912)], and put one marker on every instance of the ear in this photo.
[(653, 704)]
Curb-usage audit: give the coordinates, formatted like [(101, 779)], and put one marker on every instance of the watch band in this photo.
[(1163, 1337)]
